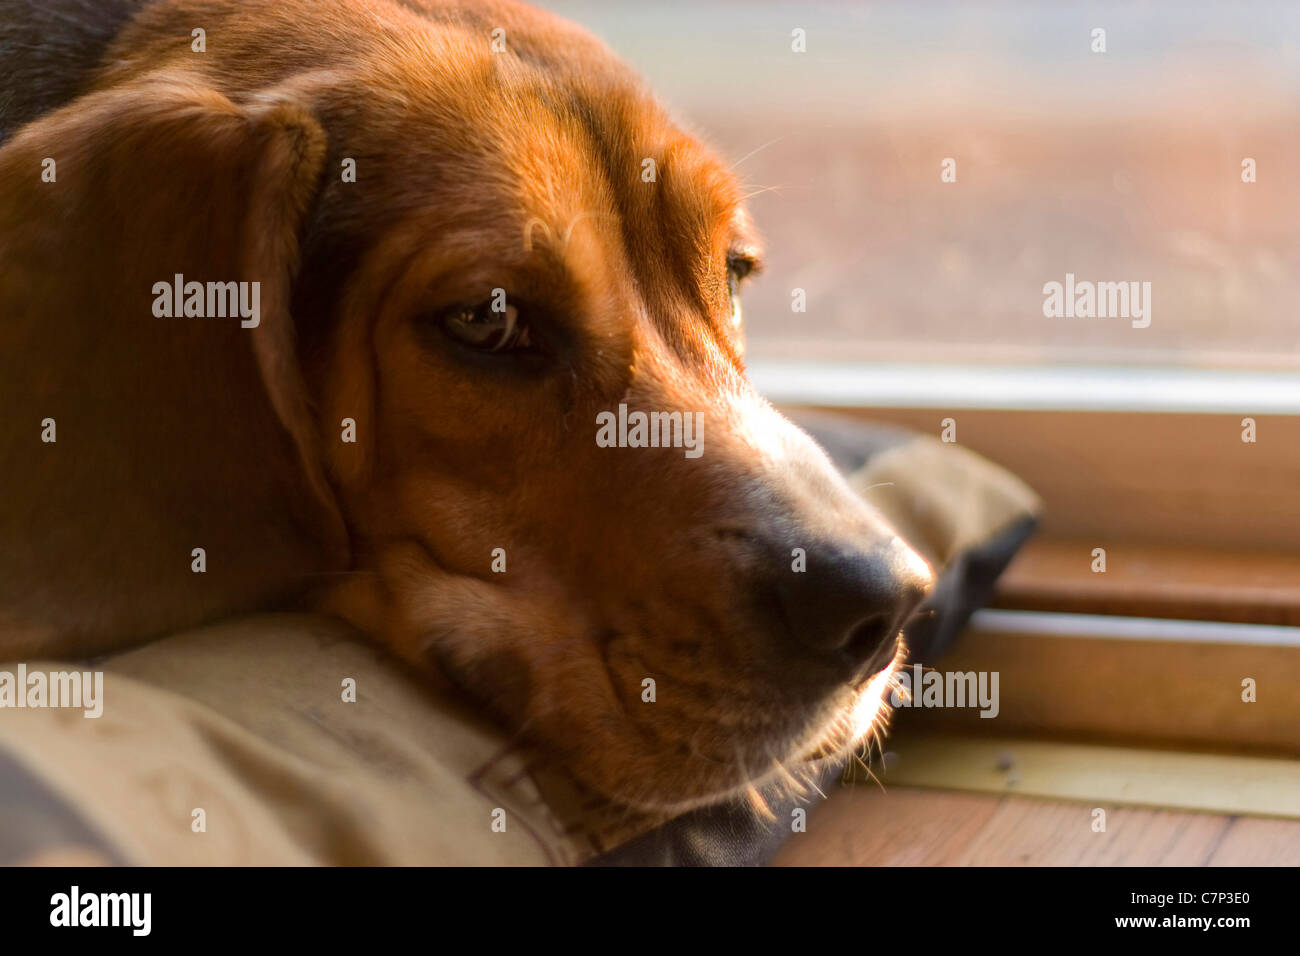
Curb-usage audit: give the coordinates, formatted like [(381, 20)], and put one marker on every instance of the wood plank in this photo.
[(1099, 776), (1154, 581), (1167, 693), (1115, 477), (1251, 841), (861, 826)]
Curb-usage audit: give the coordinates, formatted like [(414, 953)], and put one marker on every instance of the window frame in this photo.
[(1134, 656)]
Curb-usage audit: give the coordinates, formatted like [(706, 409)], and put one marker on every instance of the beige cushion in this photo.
[(246, 721)]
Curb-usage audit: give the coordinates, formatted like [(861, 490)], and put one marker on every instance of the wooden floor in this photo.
[(861, 826)]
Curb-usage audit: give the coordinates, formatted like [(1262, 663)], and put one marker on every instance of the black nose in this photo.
[(853, 601)]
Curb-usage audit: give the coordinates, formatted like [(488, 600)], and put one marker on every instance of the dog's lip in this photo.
[(885, 657), (855, 723)]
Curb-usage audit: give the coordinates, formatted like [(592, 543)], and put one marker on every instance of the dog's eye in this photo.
[(733, 286), (739, 266), (486, 328)]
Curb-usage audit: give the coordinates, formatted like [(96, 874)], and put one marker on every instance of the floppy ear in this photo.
[(132, 435)]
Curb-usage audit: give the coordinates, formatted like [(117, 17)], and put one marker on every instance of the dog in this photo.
[(452, 244)]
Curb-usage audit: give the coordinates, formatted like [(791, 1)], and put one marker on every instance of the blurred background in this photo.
[(1116, 166)]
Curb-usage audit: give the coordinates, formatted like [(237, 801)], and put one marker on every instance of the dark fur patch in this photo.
[(48, 50)]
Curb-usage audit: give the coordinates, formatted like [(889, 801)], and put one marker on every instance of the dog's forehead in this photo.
[(565, 150), (552, 104)]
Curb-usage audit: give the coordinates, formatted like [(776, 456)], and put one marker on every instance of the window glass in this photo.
[(1078, 157)]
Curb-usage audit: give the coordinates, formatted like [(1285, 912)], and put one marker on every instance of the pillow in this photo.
[(237, 743)]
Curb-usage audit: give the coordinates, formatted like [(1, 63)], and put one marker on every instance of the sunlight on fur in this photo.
[(853, 730), (869, 712)]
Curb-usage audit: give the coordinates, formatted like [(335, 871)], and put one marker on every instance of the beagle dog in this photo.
[(416, 311)]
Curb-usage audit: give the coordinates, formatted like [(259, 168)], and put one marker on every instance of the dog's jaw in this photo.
[(537, 669), (844, 729)]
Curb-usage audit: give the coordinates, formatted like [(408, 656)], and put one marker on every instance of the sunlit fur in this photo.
[(851, 733)]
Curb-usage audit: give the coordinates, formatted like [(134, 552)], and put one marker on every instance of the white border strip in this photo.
[(1094, 388), (1112, 627)]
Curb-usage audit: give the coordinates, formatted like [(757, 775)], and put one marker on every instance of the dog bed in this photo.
[(289, 739)]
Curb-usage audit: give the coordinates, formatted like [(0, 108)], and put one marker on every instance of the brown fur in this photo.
[(476, 170)]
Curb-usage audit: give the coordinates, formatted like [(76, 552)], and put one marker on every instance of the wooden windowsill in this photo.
[(905, 826), (1105, 776), (1147, 682), (1182, 480), (1202, 538), (1254, 587)]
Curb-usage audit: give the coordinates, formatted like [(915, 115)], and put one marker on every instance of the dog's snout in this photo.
[(854, 602)]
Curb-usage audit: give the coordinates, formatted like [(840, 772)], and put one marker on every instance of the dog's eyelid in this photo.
[(743, 264), (485, 328)]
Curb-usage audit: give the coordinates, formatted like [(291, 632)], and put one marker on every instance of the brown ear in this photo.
[(172, 433)]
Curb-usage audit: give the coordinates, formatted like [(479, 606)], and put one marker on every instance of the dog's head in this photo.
[(514, 379)]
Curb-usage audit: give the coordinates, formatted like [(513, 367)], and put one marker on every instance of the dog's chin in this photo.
[(835, 730)]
